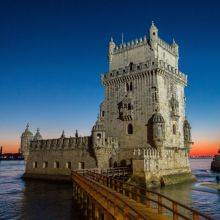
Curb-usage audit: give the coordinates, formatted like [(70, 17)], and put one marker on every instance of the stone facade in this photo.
[(141, 121)]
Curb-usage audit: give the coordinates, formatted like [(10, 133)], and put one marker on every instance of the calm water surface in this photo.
[(38, 200), (33, 199)]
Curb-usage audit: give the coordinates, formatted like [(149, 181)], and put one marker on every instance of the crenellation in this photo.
[(170, 48), (61, 143)]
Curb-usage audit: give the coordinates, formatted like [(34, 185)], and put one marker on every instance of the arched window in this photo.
[(127, 87), (131, 66), (131, 86), (129, 106), (99, 136), (174, 129), (130, 129)]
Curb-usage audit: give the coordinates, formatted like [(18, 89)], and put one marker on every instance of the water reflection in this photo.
[(194, 195), (42, 200)]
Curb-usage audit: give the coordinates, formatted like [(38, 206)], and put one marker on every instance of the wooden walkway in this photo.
[(103, 197)]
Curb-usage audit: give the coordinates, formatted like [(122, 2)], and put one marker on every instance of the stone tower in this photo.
[(26, 138), (144, 104)]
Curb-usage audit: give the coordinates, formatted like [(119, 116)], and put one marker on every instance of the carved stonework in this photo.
[(125, 109), (174, 108), (187, 134)]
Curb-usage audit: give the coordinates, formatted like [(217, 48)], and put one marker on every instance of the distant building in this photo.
[(141, 122)]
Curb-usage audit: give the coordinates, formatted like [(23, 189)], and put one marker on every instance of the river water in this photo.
[(41, 200)]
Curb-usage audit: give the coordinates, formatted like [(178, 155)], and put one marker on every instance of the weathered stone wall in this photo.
[(75, 157), (69, 153)]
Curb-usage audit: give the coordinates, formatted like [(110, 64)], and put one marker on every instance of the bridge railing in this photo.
[(114, 207), (152, 199), (118, 171)]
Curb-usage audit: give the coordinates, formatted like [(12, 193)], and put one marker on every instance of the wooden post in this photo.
[(130, 193), (123, 189), (160, 207), (96, 211), (195, 216), (147, 199), (126, 213), (175, 216), (138, 195)]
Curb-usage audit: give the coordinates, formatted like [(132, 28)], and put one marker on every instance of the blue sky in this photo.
[(53, 52)]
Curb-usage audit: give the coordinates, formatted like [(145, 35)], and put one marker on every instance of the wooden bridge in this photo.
[(102, 195)]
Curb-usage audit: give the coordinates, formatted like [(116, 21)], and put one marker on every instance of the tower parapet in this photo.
[(142, 49)]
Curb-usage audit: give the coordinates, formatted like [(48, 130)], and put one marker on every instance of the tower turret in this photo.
[(26, 138), (76, 134), (156, 130), (37, 136), (111, 48), (153, 33), (187, 134), (63, 135), (98, 134)]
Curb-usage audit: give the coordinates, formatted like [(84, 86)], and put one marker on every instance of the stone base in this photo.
[(170, 179), (178, 178), (49, 178)]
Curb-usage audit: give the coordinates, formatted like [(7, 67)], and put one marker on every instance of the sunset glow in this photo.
[(205, 147)]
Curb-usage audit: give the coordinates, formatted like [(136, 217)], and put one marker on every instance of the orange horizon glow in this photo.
[(10, 147), (205, 148), (199, 148)]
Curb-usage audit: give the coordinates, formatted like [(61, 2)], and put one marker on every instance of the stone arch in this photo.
[(123, 163), (110, 162), (130, 129), (115, 164), (174, 129)]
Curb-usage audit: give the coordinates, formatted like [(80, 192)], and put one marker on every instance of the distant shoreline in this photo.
[(201, 157), (11, 156)]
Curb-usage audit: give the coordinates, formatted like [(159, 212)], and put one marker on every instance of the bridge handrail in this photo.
[(194, 213), (101, 186)]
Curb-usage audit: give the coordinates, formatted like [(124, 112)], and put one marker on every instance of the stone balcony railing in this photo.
[(140, 67), (147, 153)]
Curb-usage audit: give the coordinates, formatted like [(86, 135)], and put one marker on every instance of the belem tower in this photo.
[(141, 123)]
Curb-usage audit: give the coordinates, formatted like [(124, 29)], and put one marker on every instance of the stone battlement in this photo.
[(61, 143), (140, 67), (130, 45), (169, 47), (143, 41)]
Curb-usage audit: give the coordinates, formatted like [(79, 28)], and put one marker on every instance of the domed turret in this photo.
[(156, 130), (26, 132), (26, 138), (37, 136), (98, 134), (187, 134), (156, 118)]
